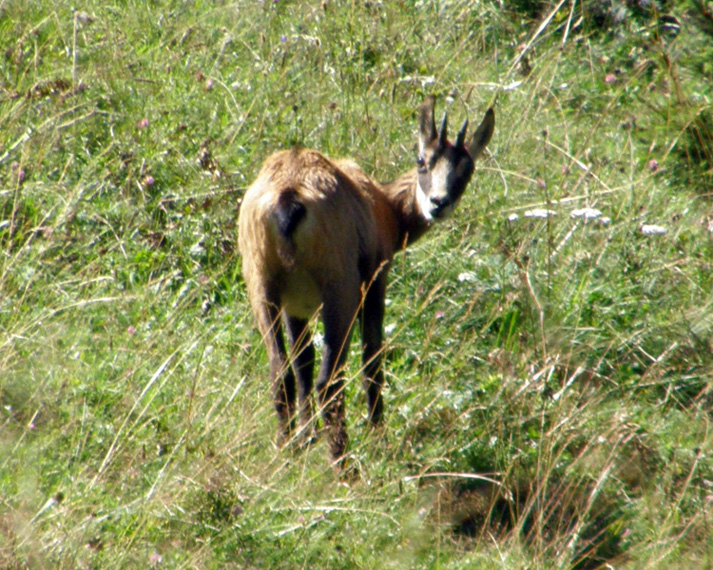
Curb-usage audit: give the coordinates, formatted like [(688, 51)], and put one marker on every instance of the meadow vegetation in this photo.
[(548, 400)]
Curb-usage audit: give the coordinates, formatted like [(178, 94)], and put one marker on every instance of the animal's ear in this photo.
[(427, 125), (482, 134)]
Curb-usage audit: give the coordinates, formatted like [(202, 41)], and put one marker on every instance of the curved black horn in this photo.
[(443, 131), (460, 139)]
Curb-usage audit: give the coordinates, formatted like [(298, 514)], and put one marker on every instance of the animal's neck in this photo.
[(401, 194)]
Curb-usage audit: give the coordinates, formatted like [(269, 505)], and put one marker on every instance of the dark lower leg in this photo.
[(281, 376), (373, 383), (303, 365), (338, 315), (332, 402), (283, 390), (372, 318)]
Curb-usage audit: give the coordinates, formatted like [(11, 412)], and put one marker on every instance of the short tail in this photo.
[(287, 215)]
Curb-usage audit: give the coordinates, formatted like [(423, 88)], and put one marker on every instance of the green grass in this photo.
[(567, 361)]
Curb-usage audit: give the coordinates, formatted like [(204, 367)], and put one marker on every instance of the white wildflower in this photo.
[(586, 213), (197, 248), (513, 217), (388, 329), (512, 86), (424, 80), (466, 276), (652, 230), (605, 221), (539, 213)]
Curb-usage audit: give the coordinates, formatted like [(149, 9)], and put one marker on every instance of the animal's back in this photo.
[(304, 223)]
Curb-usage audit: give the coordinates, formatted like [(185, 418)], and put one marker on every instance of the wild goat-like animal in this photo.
[(316, 232)]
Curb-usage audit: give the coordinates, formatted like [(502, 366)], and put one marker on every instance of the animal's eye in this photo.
[(421, 162)]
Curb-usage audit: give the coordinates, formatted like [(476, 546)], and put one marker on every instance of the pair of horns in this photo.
[(478, 141), (460, 137), (441, 134)]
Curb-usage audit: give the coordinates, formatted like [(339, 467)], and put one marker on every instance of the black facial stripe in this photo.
[(458, 179)]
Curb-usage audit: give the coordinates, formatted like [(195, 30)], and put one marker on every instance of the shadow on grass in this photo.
[(572, 522)]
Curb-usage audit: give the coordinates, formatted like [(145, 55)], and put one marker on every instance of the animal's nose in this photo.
[(440, 202)]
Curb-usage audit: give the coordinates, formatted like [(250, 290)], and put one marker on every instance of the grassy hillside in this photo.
[(549, 369)]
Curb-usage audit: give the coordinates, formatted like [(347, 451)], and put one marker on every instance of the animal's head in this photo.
[(445, 168)]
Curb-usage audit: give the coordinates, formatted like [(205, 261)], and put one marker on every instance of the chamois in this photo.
[(319, 233)]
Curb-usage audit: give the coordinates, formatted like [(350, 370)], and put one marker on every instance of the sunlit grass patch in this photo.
[(565, 358)]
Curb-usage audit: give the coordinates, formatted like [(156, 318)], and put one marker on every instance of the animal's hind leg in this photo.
[(281, 376), (302, 354), (338, 313)]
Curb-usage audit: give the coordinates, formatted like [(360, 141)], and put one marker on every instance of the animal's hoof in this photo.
[(307, 440), (348, 473), (284, 440)]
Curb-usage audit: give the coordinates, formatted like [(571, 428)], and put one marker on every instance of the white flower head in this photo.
[(652, 230), (539, 213), (586, 213), (318, 340), (512, 86)]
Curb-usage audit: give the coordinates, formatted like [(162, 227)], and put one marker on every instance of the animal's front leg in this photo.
[(302, 354), (338, 313), (372, 322)]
